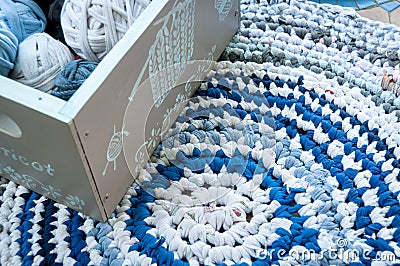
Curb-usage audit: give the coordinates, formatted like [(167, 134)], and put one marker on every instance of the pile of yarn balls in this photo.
[(54, 46), (18, 20)]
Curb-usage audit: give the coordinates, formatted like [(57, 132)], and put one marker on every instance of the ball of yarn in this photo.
[(39, 60), (72, 77), (8, 49), (92, 28), (23, 17)]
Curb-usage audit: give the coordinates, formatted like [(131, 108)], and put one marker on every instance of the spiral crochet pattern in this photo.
[(72, 77), (92, 28), (23, 17), (282, 157), (8, 49), (40, 58)]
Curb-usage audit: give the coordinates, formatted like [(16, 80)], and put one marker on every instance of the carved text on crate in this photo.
[(7, 153)]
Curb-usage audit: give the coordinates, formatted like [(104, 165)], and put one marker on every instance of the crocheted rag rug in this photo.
[(290, 159)]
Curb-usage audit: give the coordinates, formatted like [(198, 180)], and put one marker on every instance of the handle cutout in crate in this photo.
[(9, 127)]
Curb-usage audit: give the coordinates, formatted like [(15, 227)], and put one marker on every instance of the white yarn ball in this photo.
[(92, 27), (39, 60)]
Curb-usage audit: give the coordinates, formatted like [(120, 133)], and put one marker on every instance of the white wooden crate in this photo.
[(72, 151)]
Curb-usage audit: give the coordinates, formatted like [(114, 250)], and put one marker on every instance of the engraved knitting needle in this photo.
[(139, 79)]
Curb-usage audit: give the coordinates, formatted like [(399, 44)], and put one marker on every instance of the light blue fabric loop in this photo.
[(8, 49), (23, 17)]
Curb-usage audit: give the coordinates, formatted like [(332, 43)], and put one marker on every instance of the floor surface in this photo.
[(387, 11)]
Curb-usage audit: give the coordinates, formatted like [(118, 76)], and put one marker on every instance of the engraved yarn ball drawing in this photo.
[(115, 148)]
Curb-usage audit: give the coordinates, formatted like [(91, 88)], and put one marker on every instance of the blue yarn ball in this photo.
[(72, 77), (8, 49), (23, 17)]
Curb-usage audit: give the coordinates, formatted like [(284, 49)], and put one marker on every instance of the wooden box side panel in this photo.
[(45, 157), (182, 32)]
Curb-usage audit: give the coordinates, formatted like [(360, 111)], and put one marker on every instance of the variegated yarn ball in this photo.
[(39, 60), (92, 28)]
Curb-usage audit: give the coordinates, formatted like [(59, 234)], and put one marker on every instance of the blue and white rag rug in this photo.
[(288, 154)]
